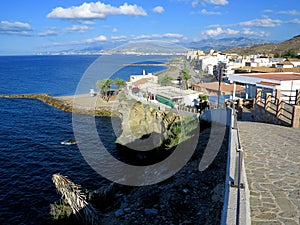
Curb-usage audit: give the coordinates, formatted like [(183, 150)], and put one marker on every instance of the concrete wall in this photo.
[(229, 212), (219, 116)]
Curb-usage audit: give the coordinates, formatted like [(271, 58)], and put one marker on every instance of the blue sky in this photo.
[(31, 26)]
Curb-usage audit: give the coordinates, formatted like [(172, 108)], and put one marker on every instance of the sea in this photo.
[(31, 131)]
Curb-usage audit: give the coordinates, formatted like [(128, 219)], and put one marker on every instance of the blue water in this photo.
[(31, 132), (57, 75)]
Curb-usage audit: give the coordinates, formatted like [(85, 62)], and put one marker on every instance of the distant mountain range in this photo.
[(241, 45), (224, 43)]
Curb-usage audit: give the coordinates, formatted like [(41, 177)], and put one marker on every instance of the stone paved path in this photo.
[(272, 161)]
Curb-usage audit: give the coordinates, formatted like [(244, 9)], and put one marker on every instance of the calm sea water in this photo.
[(31, 132)]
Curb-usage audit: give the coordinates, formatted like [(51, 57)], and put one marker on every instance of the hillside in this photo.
[(290, 47), (224, 43)]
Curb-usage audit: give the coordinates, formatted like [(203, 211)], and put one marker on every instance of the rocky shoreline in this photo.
[(189, 197)]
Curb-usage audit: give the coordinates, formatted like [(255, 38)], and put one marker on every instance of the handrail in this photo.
[(238, 169)]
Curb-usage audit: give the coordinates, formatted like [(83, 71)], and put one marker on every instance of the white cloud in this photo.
[(158, 9), (15, 28), (268, 11), (49, 32), (205, 2), (158, 36), (289, 12), (205, 12), (247, 31), (55, 31), (96, 39), (114, 30), (283, 12), (95, 10), (216, 2), (86, 22), (231, 32), (219, 31), (296, 21), (213, 33), (263, 22), (213, 26), (77, 28), (119, 38), (100, 38)]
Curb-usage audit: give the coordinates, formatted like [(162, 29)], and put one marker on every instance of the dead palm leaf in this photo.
[(72, 195)]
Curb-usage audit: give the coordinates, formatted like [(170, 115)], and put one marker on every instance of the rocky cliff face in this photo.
[(146, 128)]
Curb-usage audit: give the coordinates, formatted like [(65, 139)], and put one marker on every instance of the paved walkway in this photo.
[(272, 161)]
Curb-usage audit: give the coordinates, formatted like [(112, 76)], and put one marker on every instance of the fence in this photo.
[(284, 107)]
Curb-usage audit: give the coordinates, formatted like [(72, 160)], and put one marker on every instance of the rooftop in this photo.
[(141, 81), (170, 92), (268, 83), (274, 76), (214, 86), (268, 69), (287, 62)]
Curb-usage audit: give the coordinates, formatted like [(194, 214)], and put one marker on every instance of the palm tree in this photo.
[(101, 87), (119, 83), (186, 76), (72, 195), (107, 84), (104, 87)]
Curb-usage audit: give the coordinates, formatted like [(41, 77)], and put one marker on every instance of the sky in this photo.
[(31, 26)]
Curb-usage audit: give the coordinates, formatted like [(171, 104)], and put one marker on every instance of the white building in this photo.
[(295, 62), (288, 83), (194, 54), (149, 76)]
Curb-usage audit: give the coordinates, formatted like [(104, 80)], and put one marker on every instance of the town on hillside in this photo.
[(200, 80)]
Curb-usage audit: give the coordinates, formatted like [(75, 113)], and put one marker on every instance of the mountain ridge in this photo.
[(289, 48)]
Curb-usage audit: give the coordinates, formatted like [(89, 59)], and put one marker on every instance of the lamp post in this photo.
[(220, 67)]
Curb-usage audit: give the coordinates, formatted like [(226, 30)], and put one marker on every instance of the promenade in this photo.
[(272, 164)]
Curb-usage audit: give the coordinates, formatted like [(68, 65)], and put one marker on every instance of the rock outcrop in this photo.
[(145, 128), (64, 105)]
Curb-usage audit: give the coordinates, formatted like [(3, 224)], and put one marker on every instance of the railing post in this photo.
[(277, 96), (296, 116), (280, 107), (237, 182), (297, 100), (268, 101), (258, 96)]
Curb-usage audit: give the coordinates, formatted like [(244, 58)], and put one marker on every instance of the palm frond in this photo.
[(72, 195)]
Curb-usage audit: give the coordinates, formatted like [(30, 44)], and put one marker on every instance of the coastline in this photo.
[(84, 103), (79, 104)]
